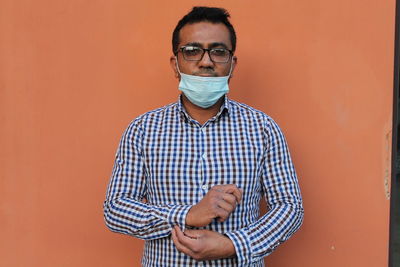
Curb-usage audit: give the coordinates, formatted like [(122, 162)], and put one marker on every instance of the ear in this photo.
[(173, 60)]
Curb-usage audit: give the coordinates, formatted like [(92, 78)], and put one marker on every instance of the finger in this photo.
[(179, 246), (190, 243), (220, 190), (230, 189), (229, 207), (183, 239), (178, 232), (233, 189), (222, 214), (194, 234), (173, 235), (175, 239), (230, 198)]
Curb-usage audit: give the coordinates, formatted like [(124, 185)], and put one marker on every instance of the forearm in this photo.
[(144, 221), (124, 211), (261, 238)]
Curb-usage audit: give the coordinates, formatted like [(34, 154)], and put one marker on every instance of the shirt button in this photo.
[(204, 187), (204, 156)]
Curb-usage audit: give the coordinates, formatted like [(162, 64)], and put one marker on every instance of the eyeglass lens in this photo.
[(218, 55)]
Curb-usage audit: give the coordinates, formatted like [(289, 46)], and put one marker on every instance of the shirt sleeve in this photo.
[(282, 193), (124, 209)]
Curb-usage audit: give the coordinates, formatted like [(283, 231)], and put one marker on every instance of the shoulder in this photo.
[(153, 117), (270, 130), (250, 113), (159, 112)]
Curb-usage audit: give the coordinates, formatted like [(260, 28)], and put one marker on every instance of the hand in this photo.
[(219, 202), (203, 244)]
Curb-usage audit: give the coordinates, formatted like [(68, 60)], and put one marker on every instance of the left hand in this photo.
[(203, 244)]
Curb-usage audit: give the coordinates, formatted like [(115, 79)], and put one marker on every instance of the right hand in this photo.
[(218, 203)]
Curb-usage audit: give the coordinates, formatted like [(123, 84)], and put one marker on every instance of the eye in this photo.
[(192, 50), (219, 52)]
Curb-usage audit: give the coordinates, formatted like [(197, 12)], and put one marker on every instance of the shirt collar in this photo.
[(225, 108)]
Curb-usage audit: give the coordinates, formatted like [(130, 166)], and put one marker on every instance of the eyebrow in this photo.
[(212, 45)]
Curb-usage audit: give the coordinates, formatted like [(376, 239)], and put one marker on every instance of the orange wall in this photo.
[(74, 73)]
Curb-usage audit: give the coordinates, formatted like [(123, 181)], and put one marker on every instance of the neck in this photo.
[(201, 114)]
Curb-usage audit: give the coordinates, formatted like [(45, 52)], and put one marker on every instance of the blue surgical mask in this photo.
[(203, 91)]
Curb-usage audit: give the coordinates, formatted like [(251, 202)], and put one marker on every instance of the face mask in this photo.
[(203, 91)]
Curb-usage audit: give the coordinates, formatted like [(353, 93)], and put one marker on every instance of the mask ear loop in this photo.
[(230, 70), (177, 66)]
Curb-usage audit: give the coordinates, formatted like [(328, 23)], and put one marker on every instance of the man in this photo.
[(188, 177)]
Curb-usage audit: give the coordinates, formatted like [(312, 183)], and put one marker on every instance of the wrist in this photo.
[(230, 248), (189, 219)]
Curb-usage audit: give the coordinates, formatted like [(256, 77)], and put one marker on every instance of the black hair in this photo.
[(202, 13)]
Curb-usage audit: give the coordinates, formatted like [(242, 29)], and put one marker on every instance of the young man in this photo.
[(188, 177)]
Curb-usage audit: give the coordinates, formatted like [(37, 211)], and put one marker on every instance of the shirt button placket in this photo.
[(203, 158)]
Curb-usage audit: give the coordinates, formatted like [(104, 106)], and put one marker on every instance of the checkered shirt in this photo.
[(171, 161)]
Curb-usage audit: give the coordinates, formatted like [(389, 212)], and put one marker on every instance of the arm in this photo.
[(260, 238), (124, 210), (285, 214)]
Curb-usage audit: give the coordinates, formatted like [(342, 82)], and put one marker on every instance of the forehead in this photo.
[(205, 33)]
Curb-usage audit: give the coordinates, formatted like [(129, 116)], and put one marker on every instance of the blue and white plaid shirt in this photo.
[(171, 160)]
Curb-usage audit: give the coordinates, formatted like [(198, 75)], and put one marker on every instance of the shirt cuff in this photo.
[(241, 243), (177, 216)]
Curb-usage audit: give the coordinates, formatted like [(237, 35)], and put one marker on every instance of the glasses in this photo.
[(195, 53)]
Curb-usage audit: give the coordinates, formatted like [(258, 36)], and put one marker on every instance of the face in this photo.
[(204, 35)]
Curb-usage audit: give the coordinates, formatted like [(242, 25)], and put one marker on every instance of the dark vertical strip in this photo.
[(394, 239)]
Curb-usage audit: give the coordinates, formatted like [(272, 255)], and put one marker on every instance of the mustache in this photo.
[(207, 71)]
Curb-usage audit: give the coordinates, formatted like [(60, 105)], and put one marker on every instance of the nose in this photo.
[(206, 60)]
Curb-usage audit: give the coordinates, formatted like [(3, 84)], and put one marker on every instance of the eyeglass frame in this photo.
[(204, 51)]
